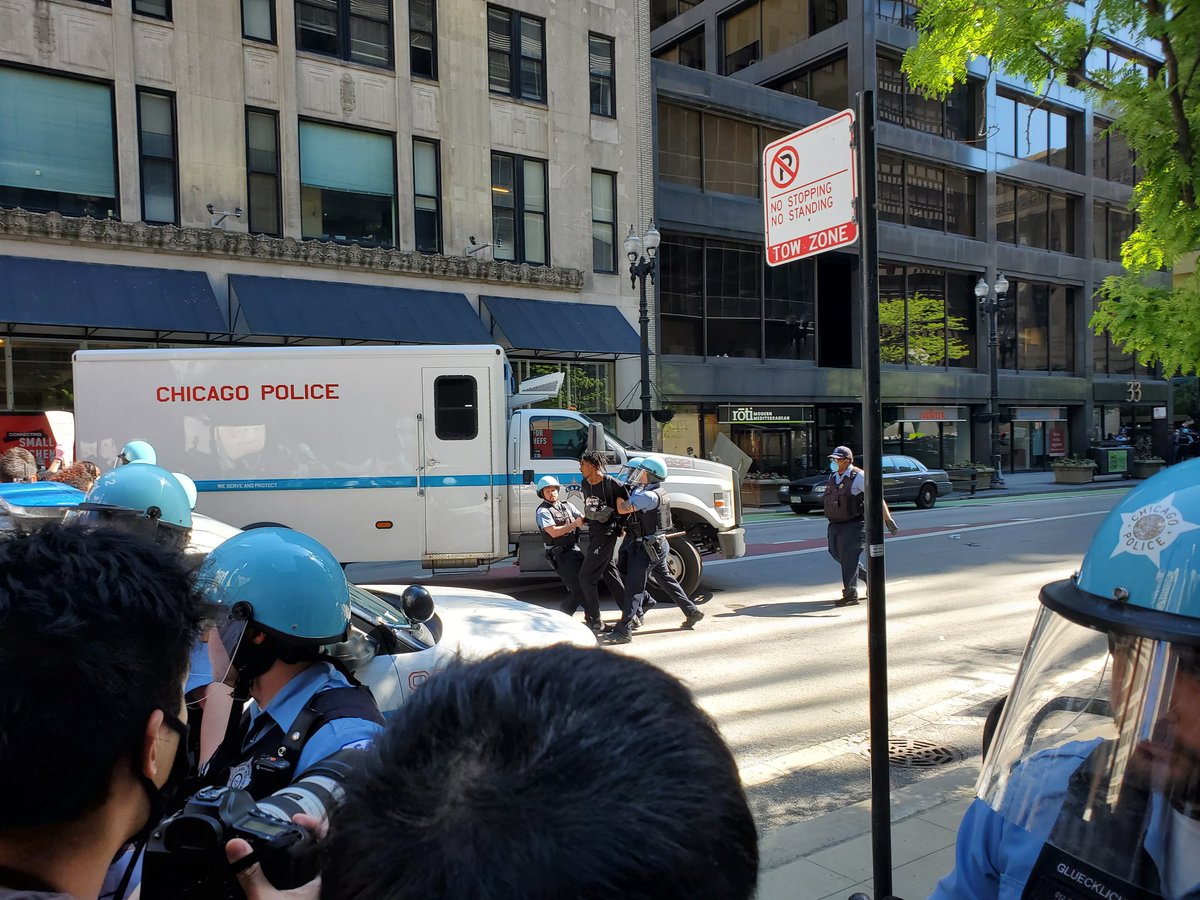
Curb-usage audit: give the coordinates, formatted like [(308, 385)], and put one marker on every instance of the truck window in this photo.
[(455, 408), (556, 437)]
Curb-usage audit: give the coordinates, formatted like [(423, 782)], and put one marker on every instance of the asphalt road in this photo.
[(784, 672)]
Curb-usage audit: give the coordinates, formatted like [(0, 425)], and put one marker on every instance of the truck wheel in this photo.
[(926, 496), (684, 563)]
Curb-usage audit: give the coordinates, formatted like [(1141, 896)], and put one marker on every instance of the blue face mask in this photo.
[(833, 465)]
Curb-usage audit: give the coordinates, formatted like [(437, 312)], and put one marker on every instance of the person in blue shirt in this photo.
[(559, 522), (645, 548), (1091, 785), (284, 598)]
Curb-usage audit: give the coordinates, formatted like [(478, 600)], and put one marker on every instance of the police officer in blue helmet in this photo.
[(283, 599), (1091, 786), (645, 549), (559, 522), (137, 452), (145, 498)]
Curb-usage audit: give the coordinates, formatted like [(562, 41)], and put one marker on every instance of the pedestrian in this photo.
[(81, 475), (18, 466), (1100, 801), (649, 511), (1185, 443), (844, 507), (559, 522), (600, 494)]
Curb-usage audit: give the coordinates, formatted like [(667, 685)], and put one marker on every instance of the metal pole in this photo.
[(642, 270), (872, 420), (993, 311)]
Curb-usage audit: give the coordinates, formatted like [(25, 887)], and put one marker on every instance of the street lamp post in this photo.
[(991, 305), (641, 267)]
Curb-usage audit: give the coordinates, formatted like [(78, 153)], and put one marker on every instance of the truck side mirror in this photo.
[(596, 437), (527, 476)]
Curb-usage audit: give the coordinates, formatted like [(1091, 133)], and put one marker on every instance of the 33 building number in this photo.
[(1134, 389)]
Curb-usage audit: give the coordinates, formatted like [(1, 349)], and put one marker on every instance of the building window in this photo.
[(57, 146), (663, 11), (899, 103), (588, 387), (680, 158), (519, 232), (354, 30), (926, 317), (516, 54), (455, 408), (262, 172), (1109, 359), (258, 20), (1036, 328), (1111, 227), (899, 12), (688, 51), (600, 72), (825, 83), (604, 221), (915, 193), (422, 38), (765, 27), (709, 151), (427, 194), (1112, 158), (158, 9), (156, 142), (1027, 129), (1032, 217), (347, 204)]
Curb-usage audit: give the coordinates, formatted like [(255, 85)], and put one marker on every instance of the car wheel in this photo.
[(926, 496), (683, 562)]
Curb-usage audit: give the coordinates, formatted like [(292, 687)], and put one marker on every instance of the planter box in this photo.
[(1145, 469), (761, 493), (1073, 474), (983, 479)]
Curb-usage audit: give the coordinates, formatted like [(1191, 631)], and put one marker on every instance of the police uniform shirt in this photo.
[(643, 499), (858, 485), (543, 519), (287, 705)]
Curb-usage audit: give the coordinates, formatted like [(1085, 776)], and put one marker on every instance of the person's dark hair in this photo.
[(96, 628), (551, 773), (17, 464), (596, 458), (77, 475)]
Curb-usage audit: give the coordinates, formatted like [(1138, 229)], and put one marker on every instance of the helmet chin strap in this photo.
[(251, 660)]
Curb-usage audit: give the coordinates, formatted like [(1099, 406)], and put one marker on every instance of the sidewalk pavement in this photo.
[(829, 857)]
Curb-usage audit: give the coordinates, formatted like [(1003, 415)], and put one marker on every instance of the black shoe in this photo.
[(648, 604), (847, 601), (596, 625), (616, 636), (691, 619), (638, 622)]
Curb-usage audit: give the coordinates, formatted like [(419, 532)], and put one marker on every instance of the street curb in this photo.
[(793, 842)]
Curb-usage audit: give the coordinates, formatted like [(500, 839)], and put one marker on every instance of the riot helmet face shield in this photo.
[(1099, 744), (225, 638), (147, 523)]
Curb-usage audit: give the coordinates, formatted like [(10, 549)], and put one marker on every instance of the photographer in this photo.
[(95, 632), (600, 494)]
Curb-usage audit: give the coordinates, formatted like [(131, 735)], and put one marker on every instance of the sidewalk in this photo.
[(829, 857)]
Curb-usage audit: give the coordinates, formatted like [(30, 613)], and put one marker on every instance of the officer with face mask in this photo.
[(1091, 786), (559, 522)]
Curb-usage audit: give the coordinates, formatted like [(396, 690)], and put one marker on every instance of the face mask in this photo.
[(181, 765), (833, 467)]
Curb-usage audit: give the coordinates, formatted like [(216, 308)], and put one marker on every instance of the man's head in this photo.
[(96, 627), (592, 463), (547, 488), (18, 465), (541, 774), (842, 457)]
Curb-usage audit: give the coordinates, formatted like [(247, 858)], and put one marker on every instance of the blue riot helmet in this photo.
[(277, 582), (137, 452), (544, 482), (1100, 735), (189, 488), (655, 469), (631, 466), (142, 498)]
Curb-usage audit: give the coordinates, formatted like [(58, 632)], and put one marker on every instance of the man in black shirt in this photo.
[(600, 493)]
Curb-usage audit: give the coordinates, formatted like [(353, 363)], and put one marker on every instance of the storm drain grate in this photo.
[(912, 753)]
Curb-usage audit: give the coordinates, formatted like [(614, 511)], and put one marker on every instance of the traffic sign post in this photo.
[(810, 185)]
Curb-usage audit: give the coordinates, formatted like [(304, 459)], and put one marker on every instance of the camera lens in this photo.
[(317, 793)]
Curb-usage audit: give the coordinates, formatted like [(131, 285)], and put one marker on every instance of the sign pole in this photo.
[(872, 431)]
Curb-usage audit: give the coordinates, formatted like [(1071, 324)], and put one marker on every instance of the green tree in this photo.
[(927, 328), (1157, 112)]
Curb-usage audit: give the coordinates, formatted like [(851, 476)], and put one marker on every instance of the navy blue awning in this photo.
[(553, 326), (91, 295), (292, 307)]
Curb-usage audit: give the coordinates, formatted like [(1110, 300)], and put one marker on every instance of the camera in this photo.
[(185, 856), (601, 513)]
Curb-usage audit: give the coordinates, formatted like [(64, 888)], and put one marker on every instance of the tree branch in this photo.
[(1183, 134)]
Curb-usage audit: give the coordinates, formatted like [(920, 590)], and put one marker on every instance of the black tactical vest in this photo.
[(650, 522), (840, 505), (561, 516)]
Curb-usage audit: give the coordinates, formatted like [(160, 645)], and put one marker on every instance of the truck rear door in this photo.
[(455, 471)]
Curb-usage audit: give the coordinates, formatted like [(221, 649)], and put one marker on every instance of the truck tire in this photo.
[(684, 563)]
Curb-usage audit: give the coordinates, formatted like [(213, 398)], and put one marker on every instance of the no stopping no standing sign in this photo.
[(810, 190)]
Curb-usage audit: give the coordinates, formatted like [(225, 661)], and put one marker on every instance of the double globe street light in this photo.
[(991, 305), (642, 266)]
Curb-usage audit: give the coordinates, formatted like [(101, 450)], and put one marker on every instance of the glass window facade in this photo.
[(1027, 129), (1033, 217), (765, 27), (519, 209), (953, 118), (913, 192), (663, 11), (422, 38), (516, 54), (688, 51), (588, 386), (427, 196), (258, 20), (262, 172), (604, 216), (1112, 158), (709, 151), (600, 73), (1036, 328), (825, 83), (347, 204), (355, 30), (926, 317), (156, 143), (1111, 227)]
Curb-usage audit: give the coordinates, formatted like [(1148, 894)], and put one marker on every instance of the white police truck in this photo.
[(381, 453)]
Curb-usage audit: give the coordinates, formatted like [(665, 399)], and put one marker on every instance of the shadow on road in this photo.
[(795, 609)]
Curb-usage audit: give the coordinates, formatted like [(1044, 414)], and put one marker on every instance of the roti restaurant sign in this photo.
[(733, 414)]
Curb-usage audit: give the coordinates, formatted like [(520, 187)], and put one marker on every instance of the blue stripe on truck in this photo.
[(341, 484)]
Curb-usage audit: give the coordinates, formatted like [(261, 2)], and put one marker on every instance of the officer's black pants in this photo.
[(598, 564), (846, 540), (639, 569), (567, 562)]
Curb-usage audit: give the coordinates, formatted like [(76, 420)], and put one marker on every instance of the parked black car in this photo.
[(905, 480)]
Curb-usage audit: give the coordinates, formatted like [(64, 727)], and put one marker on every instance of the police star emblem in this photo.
[(1152, 529)]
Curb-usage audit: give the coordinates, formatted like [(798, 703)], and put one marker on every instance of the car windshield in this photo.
[(378, 610)]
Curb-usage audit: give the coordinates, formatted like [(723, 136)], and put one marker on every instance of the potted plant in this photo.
[(1073, 470), (962, 477), (1147, 466)]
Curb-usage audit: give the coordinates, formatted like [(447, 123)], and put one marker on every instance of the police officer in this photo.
[(1091, 786), (559, 522), (137, 452), (649, 511), (846, 534), (600, 494), (144, 498), (284, 598)]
